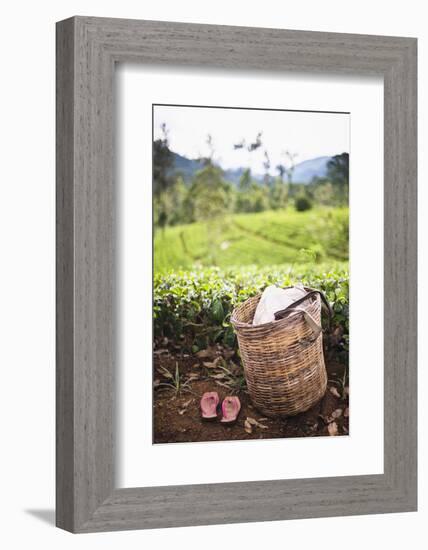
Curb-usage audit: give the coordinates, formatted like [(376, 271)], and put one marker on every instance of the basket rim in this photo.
[(249, 326)]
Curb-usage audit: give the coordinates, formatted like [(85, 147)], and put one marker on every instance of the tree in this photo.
[(209, 200), (239, 145), (338, 169), (323, 192), (162, 179), (255, 144), (209, 194), (177, 195), (253, 199), (338, 175), (289, 165), (245, 180), (278, 194), (281, 171), (162, 162), (266, 166), (282, 191), (211, 150)]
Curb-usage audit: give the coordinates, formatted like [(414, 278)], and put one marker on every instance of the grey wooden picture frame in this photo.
[(87, 51)]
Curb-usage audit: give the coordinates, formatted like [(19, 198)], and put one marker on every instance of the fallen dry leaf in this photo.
[(165, 372), (334, 391), (332, 429), (156, 383), (247, 427), (336, 414), (220, 376), (223, 385), (160, 351), (204, 353), (184, 406), (254, 422), (262, 426), (212, 364)]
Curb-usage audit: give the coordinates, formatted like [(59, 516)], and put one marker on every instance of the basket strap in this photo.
[(316, 328)]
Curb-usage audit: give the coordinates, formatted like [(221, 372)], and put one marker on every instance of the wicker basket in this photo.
[(283, 360)]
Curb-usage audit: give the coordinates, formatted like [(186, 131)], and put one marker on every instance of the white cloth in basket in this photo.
[(276, 299)]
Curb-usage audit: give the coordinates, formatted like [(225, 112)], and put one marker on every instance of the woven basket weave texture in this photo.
[(284, 369)]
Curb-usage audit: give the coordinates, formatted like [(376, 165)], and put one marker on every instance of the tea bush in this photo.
[(193, 308)]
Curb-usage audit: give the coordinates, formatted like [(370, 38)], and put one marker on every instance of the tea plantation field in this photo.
[(267, 238)]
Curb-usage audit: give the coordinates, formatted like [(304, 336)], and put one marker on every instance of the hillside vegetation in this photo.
[(276, 237)]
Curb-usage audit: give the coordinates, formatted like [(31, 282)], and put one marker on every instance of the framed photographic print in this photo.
[(236, 274), (244, 215)]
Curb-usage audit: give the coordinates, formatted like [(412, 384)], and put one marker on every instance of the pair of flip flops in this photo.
[(230, 407)]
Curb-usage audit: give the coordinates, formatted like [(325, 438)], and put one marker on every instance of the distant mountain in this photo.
[(304, 172), (234, 175), (185, 167)]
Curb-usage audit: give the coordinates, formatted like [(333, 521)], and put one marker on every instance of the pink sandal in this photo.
[(209, 403), (230, 409)]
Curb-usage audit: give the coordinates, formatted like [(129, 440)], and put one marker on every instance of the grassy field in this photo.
[(265, 238)]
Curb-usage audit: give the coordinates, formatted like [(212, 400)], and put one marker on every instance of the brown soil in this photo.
[(177, 416)]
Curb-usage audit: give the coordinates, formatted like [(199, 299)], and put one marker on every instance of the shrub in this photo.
[(194, 307), (302, 203)]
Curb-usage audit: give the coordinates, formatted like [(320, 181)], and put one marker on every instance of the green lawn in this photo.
[(265, 238)]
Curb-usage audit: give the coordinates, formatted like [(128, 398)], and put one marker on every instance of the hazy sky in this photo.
[(309, 135)]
